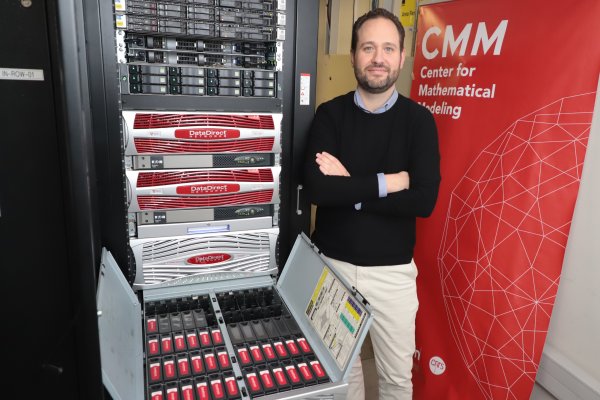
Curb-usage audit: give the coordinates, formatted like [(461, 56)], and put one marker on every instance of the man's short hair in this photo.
[(376, 13)]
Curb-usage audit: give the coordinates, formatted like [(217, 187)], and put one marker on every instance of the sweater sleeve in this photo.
[(324, 190), (424, 172)]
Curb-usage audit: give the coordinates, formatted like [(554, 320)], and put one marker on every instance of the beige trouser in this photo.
[(392, 293)]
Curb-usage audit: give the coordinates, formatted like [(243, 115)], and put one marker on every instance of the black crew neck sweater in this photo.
[(403, 138)]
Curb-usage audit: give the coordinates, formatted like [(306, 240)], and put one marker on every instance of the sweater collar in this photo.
[(386, 106)]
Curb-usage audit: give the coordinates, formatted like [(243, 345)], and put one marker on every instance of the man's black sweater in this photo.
[(403, 138)]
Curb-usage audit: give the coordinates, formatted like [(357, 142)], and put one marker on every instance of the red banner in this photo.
[(511, 85)]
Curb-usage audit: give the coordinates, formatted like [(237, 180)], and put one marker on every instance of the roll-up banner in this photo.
[(511, 85)]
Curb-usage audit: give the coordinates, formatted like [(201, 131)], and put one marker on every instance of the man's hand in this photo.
[(397, 182), (329, 165)]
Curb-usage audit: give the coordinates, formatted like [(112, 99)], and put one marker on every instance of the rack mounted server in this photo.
[(226, 335)]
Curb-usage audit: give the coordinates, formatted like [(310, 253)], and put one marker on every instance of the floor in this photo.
[(539, 393)]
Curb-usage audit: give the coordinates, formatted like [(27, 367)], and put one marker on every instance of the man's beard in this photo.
[(376, 86)]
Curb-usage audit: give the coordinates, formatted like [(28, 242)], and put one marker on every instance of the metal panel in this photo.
[(119, 313), (195, 103), (301, 44), (198, 228), (185, 260), (299, 285), (79, 178), (105, 120), (47, 248)]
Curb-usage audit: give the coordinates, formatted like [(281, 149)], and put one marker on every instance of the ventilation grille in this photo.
[(148, 179), (172, 202), (182, 146), (171, 250), (149, 121), (164, 261), (248, 264)]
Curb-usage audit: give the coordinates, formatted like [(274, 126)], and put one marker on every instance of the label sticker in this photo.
[(304, 89), (21, 74)]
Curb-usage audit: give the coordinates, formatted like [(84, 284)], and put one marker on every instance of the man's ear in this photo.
[(403, 57), (352, 57)]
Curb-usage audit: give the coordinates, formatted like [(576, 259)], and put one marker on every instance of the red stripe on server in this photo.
[(149, 121), (170, 202), (148, 179)]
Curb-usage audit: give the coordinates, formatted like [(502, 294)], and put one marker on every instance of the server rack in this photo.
[(89, 102), (190, 57), (201, 110)]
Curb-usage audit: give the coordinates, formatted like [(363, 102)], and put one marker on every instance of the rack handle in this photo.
[(298, 210)]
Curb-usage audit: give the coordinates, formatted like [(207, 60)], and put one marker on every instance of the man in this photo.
[(373, 167)]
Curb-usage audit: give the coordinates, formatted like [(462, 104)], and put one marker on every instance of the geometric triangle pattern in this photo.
[(504, 240)]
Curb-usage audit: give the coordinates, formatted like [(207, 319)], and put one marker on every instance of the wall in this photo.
[(569, 367), (334, 71)]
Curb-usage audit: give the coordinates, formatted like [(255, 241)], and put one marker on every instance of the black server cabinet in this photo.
[(303, 46), (145, 65), (108, 101), (49, 245)]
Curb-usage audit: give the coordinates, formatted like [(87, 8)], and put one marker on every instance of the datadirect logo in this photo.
[(437, 365), (209, 188), (211, 258), (207, 134)]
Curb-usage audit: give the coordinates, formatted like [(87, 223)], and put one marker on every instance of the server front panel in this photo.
[(201, 168), (226, 345)]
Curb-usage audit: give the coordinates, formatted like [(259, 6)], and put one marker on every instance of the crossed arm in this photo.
[(330, 165), (328, 182)]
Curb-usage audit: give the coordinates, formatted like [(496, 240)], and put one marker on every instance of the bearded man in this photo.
[(373, 167)]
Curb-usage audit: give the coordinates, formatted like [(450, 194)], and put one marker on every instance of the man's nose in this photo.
[(377, 55)]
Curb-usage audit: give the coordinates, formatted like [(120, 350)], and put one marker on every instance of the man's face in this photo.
[(378, 59)]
